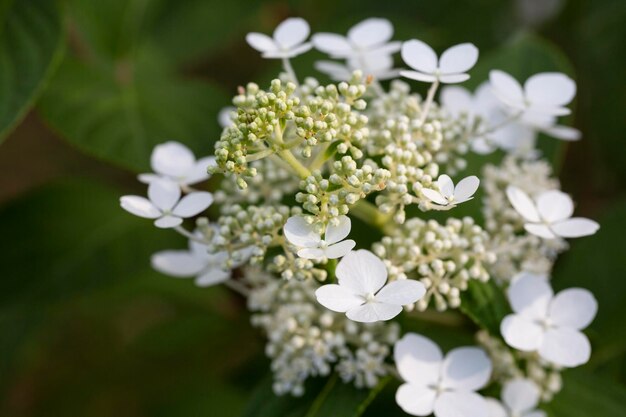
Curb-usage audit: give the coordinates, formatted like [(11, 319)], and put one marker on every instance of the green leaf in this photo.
[(31, 44), (485, 304)]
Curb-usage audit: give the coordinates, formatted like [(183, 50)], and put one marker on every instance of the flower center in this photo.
[(370, 297), (323, 244)]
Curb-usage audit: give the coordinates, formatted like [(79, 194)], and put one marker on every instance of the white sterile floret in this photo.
[(443, 386), (520, 398), (448, 194), (288, 39), (549, 324), (165, 205), (174, 161), (377, 64), (310, 243), (550, 214), (361, 292), (450, 68)]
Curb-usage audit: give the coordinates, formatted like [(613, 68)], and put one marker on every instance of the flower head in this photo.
[(547, 323), (443, 386), (450, 68), (520, 398), (165, 205), (174, 161), (550, 215), (448, 194), (371, 36), (287, 41), (304, 235), (361, 292)]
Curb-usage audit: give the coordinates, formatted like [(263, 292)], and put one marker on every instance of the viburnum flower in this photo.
[(303, 235), (361, 292), (174, 161), (443, 386), (547, 323), (520, 398), (288, 39), (550, 215), (165, 205), (448, 194), (450, 68)]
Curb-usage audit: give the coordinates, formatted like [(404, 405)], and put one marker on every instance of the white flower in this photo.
[(174, 161), (370, 36), (361, 292), (520, 398), (224, 116), (448, 194), (547, 323), (303, 235), (450, 68), (164, 205), (378, 65), (443, 386), (550, 215), (288, 39)]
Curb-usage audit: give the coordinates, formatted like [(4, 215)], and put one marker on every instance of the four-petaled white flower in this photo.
[(449, 69), (165, 205), (520, 398), (361, 292), (378, 65), (443, 386), (550, 215), (448, 194), (310, 243), (288, 39), (547, 323), (174, 161)]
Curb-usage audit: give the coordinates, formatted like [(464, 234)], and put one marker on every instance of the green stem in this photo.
[(370, 214), (429, 100), (291, 160), (320, 158)]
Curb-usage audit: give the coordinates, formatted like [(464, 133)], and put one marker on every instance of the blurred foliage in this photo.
[(90, 330)]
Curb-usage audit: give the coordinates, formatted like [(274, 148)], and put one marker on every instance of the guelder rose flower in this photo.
[(176, 162), (520, 398), (550, 215), (361, 292), (165, 205), (547, 323), (443, 386), (449, 69), (288, 39), (448, 194), (371, 36), (303, 235)]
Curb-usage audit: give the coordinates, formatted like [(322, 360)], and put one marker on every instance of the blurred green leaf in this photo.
[(485, 304), (31, 45)]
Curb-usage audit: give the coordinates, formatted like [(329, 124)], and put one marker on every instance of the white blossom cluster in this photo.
[(298, 164)]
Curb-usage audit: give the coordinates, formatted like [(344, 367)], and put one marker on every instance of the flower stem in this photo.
[(290, 72), (291, 160), (429, 100), (369, 213)]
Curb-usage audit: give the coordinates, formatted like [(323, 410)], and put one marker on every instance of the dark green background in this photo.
[(87, 88)]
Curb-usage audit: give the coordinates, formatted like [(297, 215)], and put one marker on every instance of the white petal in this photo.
[(575, 227), (336, 233), (418, 76), (172, 159), (338, 298), (466, 369), (164, 194), (372, 312), (458, 58), (453, 78), (563, 132), (416, 400), (291, 32), (300, 233), (140, 206), (362, 271), (212, 276), (199, 250), (419, 56), (530, 295), (261, 42), (148, 178), (461, 404), (224, 116), (507, 89), (550, 89), (333, 44), (295, 51), (536, 413), (520, 395), (466, 188), (199, 171), (418, 359), (177, 263), (434, 196), (193, 204), (495, 408), (554, 205), (540, 230), (523, 204), (573, 307), (401, 292), (520, 333), (446, 186), (371, 32), (166, 222), (311, 253), (456, 100), (386, 49), (565, 347), (340, 249), (334, 70)]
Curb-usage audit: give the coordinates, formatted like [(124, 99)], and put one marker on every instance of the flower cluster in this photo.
[(298, 164)]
